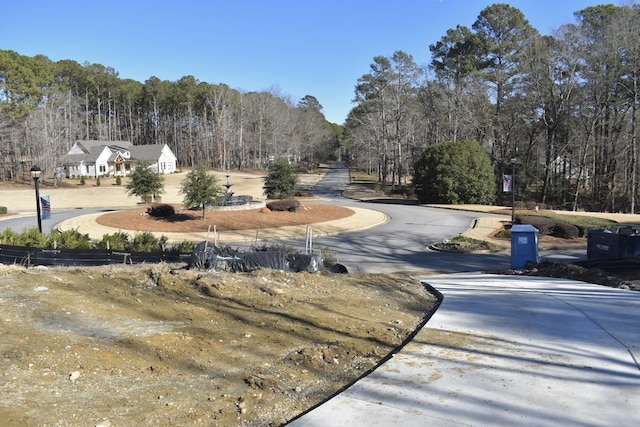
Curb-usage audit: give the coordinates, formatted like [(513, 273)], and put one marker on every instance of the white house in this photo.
[(100, 158)]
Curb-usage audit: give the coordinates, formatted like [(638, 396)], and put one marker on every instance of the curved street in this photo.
[(402, 243)]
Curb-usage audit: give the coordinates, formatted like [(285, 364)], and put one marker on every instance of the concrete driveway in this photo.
[(506, 351)]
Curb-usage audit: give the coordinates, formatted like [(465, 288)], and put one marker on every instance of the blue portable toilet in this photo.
[(524, 245)]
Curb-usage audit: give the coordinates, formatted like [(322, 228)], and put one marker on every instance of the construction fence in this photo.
[(29, 256)]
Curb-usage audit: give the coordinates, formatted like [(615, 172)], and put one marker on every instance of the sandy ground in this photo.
[(163, 346), (108, 195)]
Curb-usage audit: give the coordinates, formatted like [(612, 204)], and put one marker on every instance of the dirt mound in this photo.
[(623, 278), (151, 345)]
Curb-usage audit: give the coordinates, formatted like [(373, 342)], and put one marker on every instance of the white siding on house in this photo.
[(98, 158)]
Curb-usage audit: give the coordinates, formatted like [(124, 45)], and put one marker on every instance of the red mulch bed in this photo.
[(191, 220)]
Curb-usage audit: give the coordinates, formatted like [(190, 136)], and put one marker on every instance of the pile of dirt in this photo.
[(161, 345), (622, 278)]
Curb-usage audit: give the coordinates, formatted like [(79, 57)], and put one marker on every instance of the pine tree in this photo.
[(145, 183), (282, 180), (201, 189)]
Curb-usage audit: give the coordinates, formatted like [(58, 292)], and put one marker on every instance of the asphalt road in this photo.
[(402, 244), (21, 223)]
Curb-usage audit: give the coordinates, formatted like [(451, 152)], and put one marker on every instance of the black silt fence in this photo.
[(23, 255)]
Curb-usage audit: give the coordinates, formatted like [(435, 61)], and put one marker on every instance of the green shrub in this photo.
[(469, 244), (118, 180), (553, 226), (118, 241), (583, 222), (290, 205), (70, 239), (82, 181), (3, 210), (32, 237), (505, 233), (161, 211), (455, 172), (564, 230), (329, 259), (162, 243), (98, 182), (282, 179), (147, 242), (9, 237), (542, 223), (184, 246)]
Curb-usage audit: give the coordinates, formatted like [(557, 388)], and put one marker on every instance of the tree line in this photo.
[(564, 107), (46, 106), (560, 110)]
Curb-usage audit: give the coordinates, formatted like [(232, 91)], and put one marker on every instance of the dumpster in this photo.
[(622, 241), (524, 245)]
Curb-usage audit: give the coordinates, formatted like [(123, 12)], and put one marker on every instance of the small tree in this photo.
[(145, 183), (201, 189), (282, 180), (455, 172)]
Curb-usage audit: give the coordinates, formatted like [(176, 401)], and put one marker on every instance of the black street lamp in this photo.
[(35, 175), (513, 191)]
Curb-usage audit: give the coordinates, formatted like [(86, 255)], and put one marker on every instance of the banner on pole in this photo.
[(507, 183), (45, 203)]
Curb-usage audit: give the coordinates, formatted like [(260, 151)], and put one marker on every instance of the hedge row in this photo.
[(550, 227), (72, 239)]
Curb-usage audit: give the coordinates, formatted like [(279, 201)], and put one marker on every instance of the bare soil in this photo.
[(614, 276), (160, 345)]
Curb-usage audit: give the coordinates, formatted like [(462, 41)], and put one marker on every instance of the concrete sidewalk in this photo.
[(506, 350)]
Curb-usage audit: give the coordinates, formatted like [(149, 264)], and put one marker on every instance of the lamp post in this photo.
[(35, 175), (513, 191)]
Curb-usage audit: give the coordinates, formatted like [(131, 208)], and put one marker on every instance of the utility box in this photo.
[(524, 245)]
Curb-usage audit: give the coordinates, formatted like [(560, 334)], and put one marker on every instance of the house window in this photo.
[(103, 168), (163, 166), (87, 169)]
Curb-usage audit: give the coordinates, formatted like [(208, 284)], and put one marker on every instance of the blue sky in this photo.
[(296, 47)]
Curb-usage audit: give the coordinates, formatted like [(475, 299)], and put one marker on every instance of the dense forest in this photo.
[(560, 110), (564, 107), (46, 106)]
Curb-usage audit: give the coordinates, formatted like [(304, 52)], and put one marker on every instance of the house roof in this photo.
[(88, 145), (90, 156), (92, 150), (69, 159), (146, 152)]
